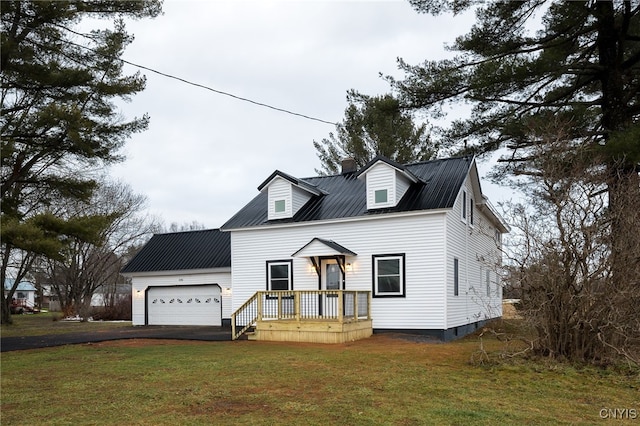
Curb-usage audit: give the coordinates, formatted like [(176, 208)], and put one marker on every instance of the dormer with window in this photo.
[(386, 182), (286, 195)]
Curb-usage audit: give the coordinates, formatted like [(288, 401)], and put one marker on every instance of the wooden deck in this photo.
[(317, 316)]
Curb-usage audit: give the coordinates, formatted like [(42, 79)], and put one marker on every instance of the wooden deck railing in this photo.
[(302, 305)]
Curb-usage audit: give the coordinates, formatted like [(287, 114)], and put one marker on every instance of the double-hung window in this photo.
[(464, 206), (388, 275), (279, 275), (488, 281), (456, 276)]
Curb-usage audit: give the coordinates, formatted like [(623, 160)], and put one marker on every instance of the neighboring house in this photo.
[(182, 278), (421, 239), (110, 294), (25, 294)]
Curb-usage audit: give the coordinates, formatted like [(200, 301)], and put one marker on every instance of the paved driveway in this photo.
[(143, 332)]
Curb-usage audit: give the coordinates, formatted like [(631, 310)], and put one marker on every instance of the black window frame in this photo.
[(402, 270), (289, 263), (456, 276), (464, 206)]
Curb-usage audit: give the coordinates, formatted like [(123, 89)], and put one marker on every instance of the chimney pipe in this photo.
[(349, 165)]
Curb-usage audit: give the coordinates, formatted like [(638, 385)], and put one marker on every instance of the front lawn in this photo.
[(51, 323), (381, 380)]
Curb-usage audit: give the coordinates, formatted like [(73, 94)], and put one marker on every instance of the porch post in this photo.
[(296, 302), (355, 306), (340, 306), (259, 294)]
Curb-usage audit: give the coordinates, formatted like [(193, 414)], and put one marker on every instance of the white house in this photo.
[(24, 295), (421, 238)]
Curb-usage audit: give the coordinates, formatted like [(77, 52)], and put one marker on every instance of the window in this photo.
[(388, 275), (488, 281), (279, 276), (456, 277), (381, 196), (279, 206), (471, 210), (464, 206)]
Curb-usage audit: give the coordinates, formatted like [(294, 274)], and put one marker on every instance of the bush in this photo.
[(120, 309)]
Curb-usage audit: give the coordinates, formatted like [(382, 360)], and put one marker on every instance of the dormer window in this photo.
[(381, 196), (286, 195), (280, 206), (387, 182)]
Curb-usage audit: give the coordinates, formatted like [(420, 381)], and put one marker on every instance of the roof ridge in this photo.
[(187, 231)]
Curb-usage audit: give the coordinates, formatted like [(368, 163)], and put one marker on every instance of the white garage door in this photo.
[(184, 305)]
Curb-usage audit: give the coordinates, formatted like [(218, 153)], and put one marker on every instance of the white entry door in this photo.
[(330, 279), (184, 305)]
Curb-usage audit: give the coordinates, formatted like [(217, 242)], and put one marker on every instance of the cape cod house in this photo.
[(331, 258)]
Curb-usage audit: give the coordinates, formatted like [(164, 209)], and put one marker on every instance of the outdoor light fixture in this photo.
[(349, 267)]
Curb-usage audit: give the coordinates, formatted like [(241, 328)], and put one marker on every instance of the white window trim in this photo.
[(402, 273), (488, 281), (386, 196), (275, 206), (289, 265)]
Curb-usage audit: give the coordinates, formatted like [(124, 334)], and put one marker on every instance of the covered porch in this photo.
[(316, 316)]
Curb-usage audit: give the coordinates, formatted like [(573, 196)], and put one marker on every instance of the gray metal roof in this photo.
[(298, 182), (205, 249), (344, 195)]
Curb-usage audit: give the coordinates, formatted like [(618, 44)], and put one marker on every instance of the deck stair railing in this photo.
[(302, 305)]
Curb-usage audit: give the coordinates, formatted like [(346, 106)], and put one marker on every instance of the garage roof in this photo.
[(207, 249)]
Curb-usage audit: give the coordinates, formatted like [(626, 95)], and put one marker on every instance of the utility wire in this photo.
[(202, 86), (220, 92)]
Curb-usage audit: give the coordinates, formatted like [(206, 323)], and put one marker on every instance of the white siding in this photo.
[(475, 248), (402, 184), (300, 197), (140, 283), (419, 237), (280, 189), (381, 177)]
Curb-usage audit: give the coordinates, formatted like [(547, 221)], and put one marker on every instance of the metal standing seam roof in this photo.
[(344, 195), (206, 249)]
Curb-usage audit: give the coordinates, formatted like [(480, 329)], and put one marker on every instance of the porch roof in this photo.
[(322, 247)]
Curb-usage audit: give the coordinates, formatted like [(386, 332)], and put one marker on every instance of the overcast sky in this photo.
[(205, 154)]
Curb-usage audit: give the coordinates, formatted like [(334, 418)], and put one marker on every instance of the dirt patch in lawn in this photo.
[(138, 343)]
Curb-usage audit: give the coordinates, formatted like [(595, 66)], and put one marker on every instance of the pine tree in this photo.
[(59, 120), (374, 125)]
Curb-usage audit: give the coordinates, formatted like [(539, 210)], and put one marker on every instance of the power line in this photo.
[(202, 86), (220, 92)]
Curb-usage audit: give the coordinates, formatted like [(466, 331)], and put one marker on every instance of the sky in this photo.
[(205, 154)]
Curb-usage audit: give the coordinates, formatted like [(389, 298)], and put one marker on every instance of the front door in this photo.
[(330, 279)]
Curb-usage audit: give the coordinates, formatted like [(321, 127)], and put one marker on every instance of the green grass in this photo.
[(50, 323), (381, 380)]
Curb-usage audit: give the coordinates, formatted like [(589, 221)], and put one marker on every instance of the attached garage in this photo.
[(184, 305), (182, 278)]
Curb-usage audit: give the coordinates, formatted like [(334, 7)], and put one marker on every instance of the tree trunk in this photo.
[(5, 311), (624, 208)]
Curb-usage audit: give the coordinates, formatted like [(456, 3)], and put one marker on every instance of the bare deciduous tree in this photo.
[(88, 268), (561, 256)]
